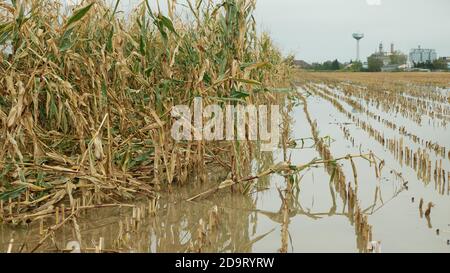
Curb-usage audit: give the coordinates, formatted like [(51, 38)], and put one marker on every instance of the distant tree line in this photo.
[(356, 67), (375, 63), (336, 66), (327, 66), (438, 64)]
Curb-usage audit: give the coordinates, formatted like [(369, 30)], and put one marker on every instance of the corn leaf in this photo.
[(247, 81), (168, 24), (78, 15), (12, 193)]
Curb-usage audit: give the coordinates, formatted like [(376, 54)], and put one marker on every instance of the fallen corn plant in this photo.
[(284, 169), (86, 96)]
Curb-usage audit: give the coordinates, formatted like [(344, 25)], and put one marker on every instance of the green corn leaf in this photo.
[(5, 32), (142, 45), (167, 23), (228, 99), (150, 12), (78, 15), (115, 9), (239, 94), (14, 193), (66, 41), (109, 43), (247, 81)]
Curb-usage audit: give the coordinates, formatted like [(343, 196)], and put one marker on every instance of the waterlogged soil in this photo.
[(317, 220)]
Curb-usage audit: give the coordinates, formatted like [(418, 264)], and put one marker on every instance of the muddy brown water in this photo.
[(317, 219)]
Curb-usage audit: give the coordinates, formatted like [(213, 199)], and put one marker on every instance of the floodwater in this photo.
[(317, 219)]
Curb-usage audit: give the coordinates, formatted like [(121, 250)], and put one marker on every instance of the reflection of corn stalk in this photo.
[(283, 168), (348, 194), (285, 199), (301, 143)]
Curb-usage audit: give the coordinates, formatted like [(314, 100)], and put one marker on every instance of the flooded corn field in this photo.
[(180, 128), (374, 168)]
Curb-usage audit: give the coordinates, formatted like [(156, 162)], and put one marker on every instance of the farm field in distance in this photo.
[(437, 79)]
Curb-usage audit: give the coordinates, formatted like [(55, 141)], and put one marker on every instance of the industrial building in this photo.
[(422, 55), (447, 60), (391, 60), (384, 56)]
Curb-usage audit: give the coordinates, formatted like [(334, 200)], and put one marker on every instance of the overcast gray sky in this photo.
[(319, 30)]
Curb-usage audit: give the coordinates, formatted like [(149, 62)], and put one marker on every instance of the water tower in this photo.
[(357, 37)]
